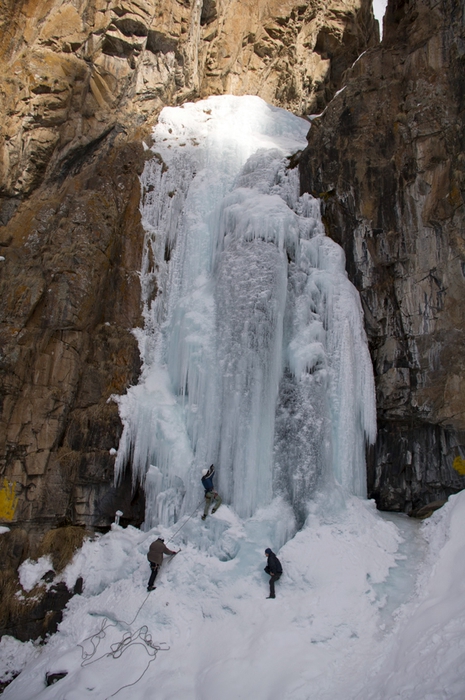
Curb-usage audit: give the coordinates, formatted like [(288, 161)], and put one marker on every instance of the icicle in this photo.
[(254, 354)]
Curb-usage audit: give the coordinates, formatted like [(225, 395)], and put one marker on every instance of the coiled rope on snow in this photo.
[(140, 637)]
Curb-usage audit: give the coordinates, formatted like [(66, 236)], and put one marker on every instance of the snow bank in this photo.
[(210, 608), (427, 658), (322, 638), (14, 655), (30, 572)]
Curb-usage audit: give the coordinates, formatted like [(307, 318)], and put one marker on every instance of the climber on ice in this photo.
[(210, 493), (274, 569), (155, 556)]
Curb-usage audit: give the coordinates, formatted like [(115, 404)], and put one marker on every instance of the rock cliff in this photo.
[(81, 83), (387, 156)]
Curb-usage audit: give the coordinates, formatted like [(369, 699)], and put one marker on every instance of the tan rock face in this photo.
[(72, 67), (291, 55), (81, 82), (388, 154), (69, 296)]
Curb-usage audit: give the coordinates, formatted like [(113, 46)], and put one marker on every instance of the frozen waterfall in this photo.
[(254, 353)]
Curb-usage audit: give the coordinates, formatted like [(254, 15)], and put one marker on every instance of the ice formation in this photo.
[(254, 353)]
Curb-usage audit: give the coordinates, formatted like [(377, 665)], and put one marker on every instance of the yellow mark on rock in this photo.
[(459, 465), (8, 500)]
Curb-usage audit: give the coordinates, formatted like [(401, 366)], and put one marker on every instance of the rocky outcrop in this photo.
[(69, 297), (387, 157), (81, 83), (292, 55), (74, 70), (35, 613)]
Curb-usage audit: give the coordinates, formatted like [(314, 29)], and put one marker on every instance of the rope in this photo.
[(185, 523), (132, 621), (118, 648), (141, 637)]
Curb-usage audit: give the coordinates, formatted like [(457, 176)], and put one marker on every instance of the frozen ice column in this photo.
[(242, 273)]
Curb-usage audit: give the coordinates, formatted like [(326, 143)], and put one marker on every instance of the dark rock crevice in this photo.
[(386, 157)]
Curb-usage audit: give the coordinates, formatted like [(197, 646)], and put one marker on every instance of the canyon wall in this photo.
[(387, 157), (81, 84)]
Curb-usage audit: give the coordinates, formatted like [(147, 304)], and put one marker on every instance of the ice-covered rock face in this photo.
[(254, 354)]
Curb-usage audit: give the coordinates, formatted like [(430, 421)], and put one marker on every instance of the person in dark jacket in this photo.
[(274, 569), (155, 556), (210, 493)]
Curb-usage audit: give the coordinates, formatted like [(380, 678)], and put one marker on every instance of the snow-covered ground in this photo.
[(359, 614)]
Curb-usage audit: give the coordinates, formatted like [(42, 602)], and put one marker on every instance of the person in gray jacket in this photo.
[(155, 556)]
